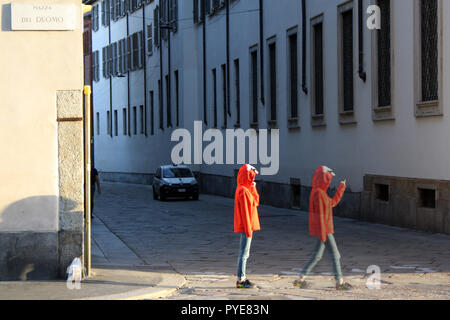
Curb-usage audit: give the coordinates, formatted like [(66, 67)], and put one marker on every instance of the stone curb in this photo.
[(170, 284)]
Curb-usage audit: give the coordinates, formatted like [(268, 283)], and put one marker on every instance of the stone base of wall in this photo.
[(38, 255), (420, 204), (28, 256)]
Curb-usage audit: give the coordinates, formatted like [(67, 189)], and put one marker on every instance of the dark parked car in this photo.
[(175, 181)]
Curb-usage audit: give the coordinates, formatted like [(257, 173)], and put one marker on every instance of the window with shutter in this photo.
[(135, 49), (104, 70), (150, 39), (156, 27), (129, 53), (125, 55), (103, 8)]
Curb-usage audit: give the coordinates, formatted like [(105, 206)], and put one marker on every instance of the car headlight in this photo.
[(194, 182)]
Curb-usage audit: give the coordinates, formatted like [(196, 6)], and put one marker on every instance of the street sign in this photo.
[(26, 16)]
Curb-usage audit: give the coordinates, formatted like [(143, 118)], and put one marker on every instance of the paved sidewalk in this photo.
[(117, 274)]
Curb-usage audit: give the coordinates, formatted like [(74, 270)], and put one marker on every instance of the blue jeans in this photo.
[(317, 254), (244, 253)]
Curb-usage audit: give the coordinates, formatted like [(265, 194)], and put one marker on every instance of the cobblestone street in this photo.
[(196, 239)]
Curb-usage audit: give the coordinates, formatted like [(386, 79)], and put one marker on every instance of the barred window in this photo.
[(273, 81), (161, 115), (237, 91), (134, 121), (318, 107), (429, 50), (124, 120), (108, 123), (152, 113), (116, 127), (150, 39), (156, 27), (293, 75), (224, 94), (254, 86), (125, 55), (347, 60), (177, 96), (384, 55), (214, 77), (168, 104)]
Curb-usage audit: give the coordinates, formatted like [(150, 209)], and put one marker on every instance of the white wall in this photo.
[(34, 64), (405, 147)]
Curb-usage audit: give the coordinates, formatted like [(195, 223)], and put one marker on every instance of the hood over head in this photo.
[(322, 178), (246, 175)]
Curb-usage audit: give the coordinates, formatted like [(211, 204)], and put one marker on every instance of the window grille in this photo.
[(429, 50), (318, 69), (347, 59), (384, 55)]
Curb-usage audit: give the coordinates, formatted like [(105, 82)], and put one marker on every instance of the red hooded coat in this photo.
[(321, 205), (246, 201)]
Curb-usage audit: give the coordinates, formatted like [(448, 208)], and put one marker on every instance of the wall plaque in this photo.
[(26, 16)]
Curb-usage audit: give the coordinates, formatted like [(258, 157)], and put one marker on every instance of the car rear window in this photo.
[(177, 173)]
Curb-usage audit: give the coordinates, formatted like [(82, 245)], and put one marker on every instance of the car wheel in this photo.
[(155, 195), (196, 196)]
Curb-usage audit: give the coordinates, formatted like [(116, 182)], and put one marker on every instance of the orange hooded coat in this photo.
[(321, 205), (246, 201)]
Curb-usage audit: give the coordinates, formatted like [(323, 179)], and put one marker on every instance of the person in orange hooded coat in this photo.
[(321, 225), (246, 219)]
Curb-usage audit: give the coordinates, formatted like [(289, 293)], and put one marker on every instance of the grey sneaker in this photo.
[(302, 284), (344, 286)]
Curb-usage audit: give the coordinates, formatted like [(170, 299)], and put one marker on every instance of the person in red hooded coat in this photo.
[(246, 219), (321, 225)]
